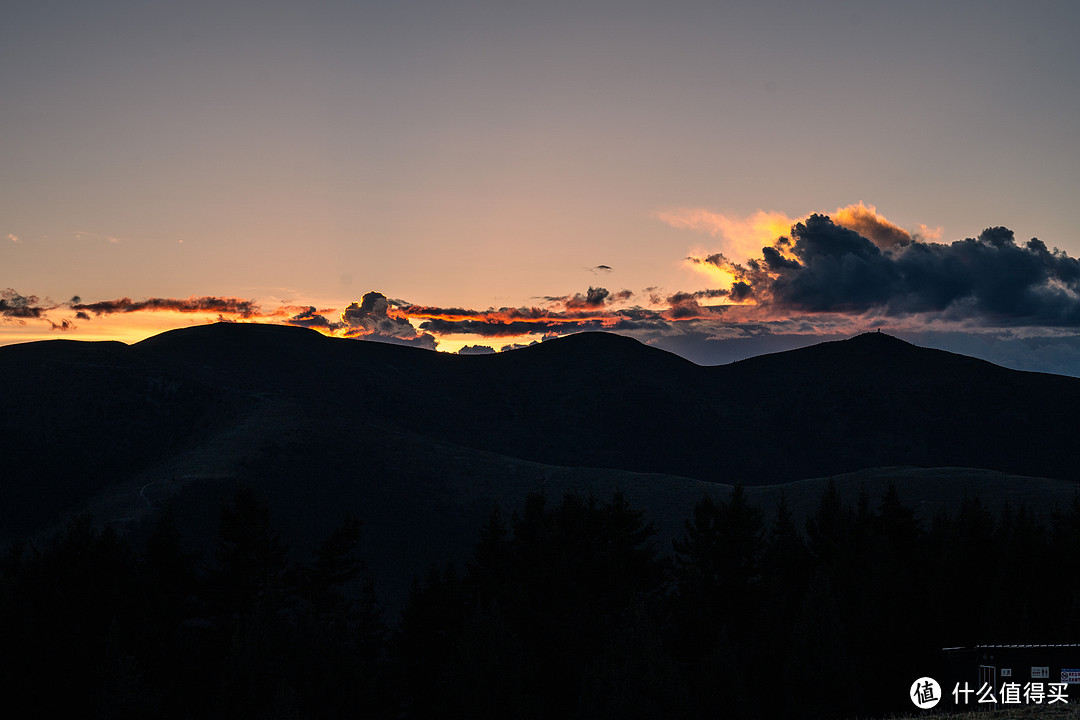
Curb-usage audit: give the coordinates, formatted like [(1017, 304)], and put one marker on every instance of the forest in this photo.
[(568, 608)]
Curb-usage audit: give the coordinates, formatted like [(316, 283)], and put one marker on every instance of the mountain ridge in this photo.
[(212, 401)]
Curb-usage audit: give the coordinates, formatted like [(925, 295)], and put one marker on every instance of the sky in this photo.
[(719, 179)]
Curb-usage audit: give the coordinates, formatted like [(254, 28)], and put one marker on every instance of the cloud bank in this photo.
[(991, 280), (822, 275)]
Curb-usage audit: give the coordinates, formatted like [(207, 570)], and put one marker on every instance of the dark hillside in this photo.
[(199, 402), (79, 417), (875, 400), (217, 462)]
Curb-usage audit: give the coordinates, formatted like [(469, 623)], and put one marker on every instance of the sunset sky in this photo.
[(487, 174)]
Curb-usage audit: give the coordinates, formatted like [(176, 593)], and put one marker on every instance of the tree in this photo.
[(251, 556), (719, 556)]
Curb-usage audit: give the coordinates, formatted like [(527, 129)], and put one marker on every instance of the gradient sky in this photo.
[(482, 155)]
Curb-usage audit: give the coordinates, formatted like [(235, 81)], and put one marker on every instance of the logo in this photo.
[(925, 693)]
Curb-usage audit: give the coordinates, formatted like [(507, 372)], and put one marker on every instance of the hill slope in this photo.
[(202, 401)]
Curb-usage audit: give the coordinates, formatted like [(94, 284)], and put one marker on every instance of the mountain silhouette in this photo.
[(85, 419)]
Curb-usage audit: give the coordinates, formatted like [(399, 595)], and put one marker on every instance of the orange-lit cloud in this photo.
[(595, 309), (740, 237), (866, 221)]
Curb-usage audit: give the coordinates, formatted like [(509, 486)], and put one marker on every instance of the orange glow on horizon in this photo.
[(127, 328), (505, 315)]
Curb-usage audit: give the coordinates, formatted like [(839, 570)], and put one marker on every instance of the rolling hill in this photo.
[(421, 444)]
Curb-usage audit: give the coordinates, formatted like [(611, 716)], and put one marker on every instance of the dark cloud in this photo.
[(516, 346), (825, 267), (593, 298), (681, 297), (685, 305), (310, 317), (629, 325), (685, 311), (508, 322), (19, 307), (230, 306), (421, 340), (476, 350), (565, 314), (414, 309), (775, 261), (741, 291)]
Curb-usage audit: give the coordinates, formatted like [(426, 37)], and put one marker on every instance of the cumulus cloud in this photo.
[(371, 316), (476, 350), (371, 319), (13, 237), (826, 267)]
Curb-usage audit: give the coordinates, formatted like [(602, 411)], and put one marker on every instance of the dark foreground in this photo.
[(566, 610)]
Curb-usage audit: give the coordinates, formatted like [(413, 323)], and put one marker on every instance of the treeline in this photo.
[(566, 609)]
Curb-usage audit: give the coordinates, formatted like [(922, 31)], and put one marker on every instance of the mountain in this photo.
[(252, 441), (421, 443), (587, 400)]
